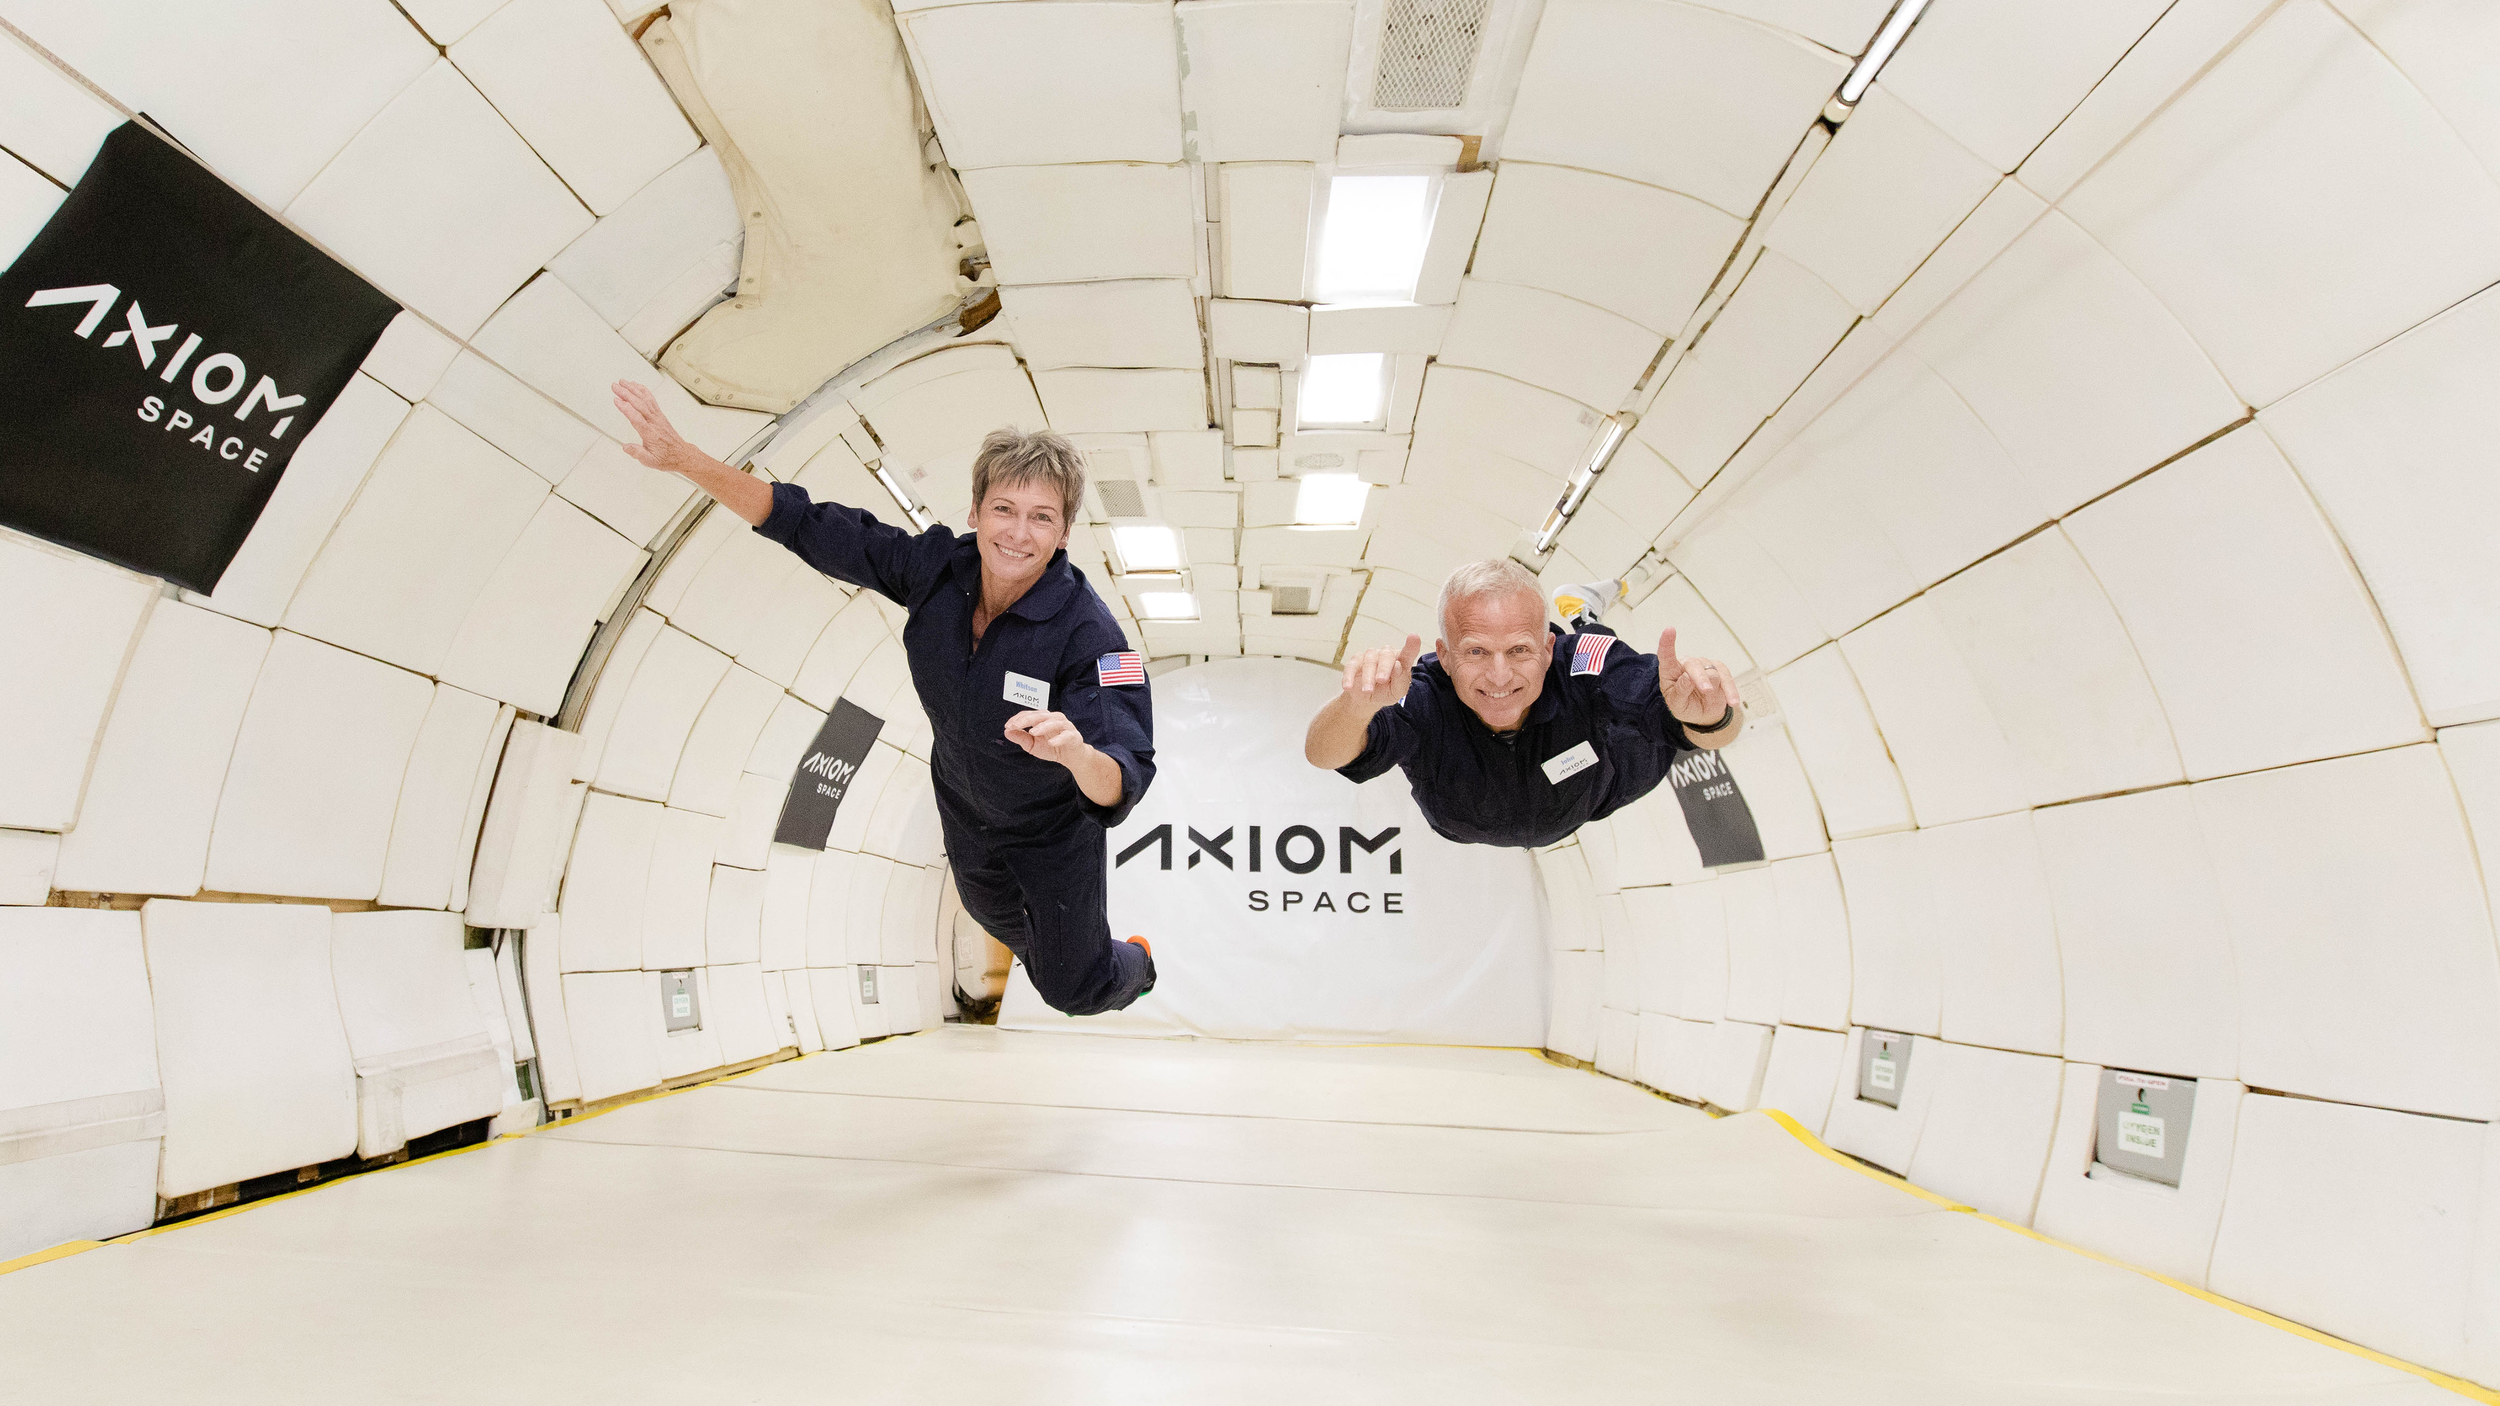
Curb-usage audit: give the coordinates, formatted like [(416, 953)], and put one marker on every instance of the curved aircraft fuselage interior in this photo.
[(483, 917)]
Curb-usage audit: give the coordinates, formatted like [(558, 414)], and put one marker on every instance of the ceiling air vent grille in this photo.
[(1121, 497), (1291, 600), (1428, 53)]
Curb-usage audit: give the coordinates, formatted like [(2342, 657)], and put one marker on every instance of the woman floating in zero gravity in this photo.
[(1044, 725), (1512, 736)]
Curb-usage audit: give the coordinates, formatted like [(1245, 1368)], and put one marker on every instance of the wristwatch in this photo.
[(1724, 719)]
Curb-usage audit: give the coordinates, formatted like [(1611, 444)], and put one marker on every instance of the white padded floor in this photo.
[(1061, 1218)]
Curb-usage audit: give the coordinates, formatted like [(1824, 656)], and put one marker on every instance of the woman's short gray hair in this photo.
[(1010, 457), (1477, 579)]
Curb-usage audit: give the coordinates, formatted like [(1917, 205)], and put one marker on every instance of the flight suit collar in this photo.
[(1047, 596)]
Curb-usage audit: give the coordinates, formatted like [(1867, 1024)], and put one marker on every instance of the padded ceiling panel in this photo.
[(633, 500), (1132, 323), (441, 203), (1029, 84), (571, 82), (943, 403), (1670, 95), (1635, 250), (1264, 242), (1887, 190), (27, 200), (1086, 399), (48, 120), (70, 622), (670, 686), (1842, 26), (310, 795), (1844, 756), (1266, 78), (515, 418), (1748, 590), (524, 634), (639, 250), (1071, 224), (553, 340), (400, 571), (1954, 760), (1549, 340), (2303, 148), (265, 95), (1998, 77)]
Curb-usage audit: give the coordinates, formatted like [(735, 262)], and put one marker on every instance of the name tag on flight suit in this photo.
[(1033, 693), (1569, 763)]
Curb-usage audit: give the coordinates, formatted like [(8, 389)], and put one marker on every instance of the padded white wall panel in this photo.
[(606, 883), (258, 1077), (1618, 1043), (70, 626), (1810, 516), (833, 995), (2083, 715), (1749, 591), (1266, 78), (790, 620), (1547, 340), (2352, 1220), (517, 419), (409, 359), (559, 1070), (573, 84), (81, 1105), (1999, 77), (1995, 935), (473, 815), (525, 632), (328, 467), (1800, 1077), (1814, 943), (2361, 932), (1572, 1003), (860, 912), (1740, 1054), (2393, 446), (733, 925), (438, 514), (738, 1014), (1895, 982), (1139, 322), (2240, 600), (424, 1058), (2303, 144), (264, 96), (1070, 224), (721, 602), (754, 813), (27, 201), (1854, 780), (309, 797), (418, 868), (680, 223), (2473, 758), (2168, 1230), (1955, 762), (27, 861), (1110, 90), (1781, 320), (1635, 250), (441, 203), (2083, 375), (1990, 1117), (1649, 1056), (162, 757), (789, 873), (1756, 963), (722, 736), (548, 337), (614, 1018), (1649, 917), (1887, 190), (1885, 1135), (677, 896), (1986, 232), (830, 902), (47, 119), (1671, 95), (669, 688), (527, 830), (2143, 945)]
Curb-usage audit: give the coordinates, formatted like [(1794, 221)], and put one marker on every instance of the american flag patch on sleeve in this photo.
[(1123, 667), (1589, 655)]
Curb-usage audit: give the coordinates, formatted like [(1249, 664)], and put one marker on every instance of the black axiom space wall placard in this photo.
[(825, 776), (166, 345), (1715, 810)]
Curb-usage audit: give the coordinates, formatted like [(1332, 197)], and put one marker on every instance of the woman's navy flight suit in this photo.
[(1025, 843), (1480, 787)]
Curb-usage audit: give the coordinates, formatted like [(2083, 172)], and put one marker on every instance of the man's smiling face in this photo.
[(1498, 656)]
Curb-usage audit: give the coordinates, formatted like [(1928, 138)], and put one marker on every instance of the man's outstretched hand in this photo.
[(1698, 691), (1377, 678)]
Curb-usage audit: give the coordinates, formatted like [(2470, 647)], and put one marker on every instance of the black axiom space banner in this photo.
[(1715, 810), (825, 776), (165, 345)]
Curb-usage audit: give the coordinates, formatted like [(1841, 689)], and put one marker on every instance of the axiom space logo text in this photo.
[(831, 770), (1296, 850), (215, 379)]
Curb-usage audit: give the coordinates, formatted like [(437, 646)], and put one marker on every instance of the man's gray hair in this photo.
[(1011, 457), (1477, 579)]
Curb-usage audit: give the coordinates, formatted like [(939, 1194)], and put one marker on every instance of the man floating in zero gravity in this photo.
[(1514, 736), (1044, 726)]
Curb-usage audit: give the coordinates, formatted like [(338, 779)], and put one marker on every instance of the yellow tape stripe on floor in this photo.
[(2459, 1385), (61, 1251)]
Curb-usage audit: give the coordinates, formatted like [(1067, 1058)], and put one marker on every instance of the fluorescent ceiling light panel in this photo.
[(1343, 391), (1168, 605), (1330, 500), (1896, 28), (1147, 548), (1371, 246)]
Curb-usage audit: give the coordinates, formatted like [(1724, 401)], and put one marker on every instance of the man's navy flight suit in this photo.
[(1480, 787), (1025, 843)]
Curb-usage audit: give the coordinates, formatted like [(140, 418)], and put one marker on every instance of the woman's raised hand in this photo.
[(662, 447)]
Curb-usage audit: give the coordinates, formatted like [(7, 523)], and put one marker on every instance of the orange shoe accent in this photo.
[(1150, 947)]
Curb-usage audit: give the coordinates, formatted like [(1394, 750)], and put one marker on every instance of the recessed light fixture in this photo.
[(1343, 391), (1371, 245), (1147, 547), (1330, 501), (1896, 28), (1168, 605), (1581, 481)]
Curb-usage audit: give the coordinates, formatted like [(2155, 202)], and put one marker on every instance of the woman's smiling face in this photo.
[(1019, 527)]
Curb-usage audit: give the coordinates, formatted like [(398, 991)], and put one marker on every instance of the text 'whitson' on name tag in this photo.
[(1027, 692)]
